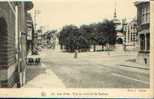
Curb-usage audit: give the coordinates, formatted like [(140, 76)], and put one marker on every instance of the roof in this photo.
[(141, 1)]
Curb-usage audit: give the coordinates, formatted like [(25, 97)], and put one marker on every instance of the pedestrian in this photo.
[(124, 47), (76, 54), (145, 60), (108, 49)]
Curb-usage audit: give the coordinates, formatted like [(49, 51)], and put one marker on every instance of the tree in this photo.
[(109, 29), (89, 33), (69, 37), (106, 33), (100, 36)]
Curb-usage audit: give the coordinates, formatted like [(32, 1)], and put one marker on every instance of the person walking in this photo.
[(76, 53)]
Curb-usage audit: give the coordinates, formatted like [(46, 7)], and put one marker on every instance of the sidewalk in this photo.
[(40, 76)]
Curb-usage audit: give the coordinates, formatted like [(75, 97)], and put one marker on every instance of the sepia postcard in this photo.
[(77, 48)]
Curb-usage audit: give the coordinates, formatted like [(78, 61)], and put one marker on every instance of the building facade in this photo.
[(143, 21), (131, 32), (30, 33), (13, 42)]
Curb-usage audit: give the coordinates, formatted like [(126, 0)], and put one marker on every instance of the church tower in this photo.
[(115, 11), (116, 21)]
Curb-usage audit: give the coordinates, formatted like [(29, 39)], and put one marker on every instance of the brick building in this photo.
[(13, 42)]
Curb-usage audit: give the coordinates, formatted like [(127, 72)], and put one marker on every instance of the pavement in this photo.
[(42, 77), (114, 69)]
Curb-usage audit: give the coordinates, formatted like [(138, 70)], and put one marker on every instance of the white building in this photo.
[(131, 32)]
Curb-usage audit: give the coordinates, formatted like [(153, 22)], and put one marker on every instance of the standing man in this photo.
[(76, 53)]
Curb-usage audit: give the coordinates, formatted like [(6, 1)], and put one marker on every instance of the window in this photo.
[(148, 14), (148, 41), (145, 14), (142, 42), (132, 36)]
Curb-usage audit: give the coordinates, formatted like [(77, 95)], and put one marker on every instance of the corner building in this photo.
[(143, 21), (13, 43)]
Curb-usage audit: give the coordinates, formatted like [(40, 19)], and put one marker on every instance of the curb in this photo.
[(134, 67)]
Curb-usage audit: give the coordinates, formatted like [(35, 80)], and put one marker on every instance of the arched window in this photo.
[(3, 26), (3, 41)]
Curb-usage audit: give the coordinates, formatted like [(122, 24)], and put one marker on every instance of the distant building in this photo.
[(143, 21), (116, 21), (30, 33), (131, 32), (118, 27), (39, 36), (13, 42)]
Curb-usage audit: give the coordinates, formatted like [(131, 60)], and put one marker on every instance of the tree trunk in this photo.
[(61, 46), (109, 47), (102, 47), (94, 47)]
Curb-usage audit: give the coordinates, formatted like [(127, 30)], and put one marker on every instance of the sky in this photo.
[(54, 14)]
